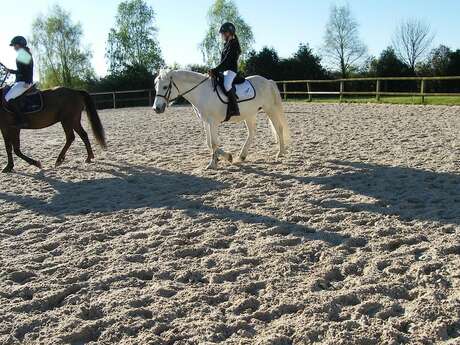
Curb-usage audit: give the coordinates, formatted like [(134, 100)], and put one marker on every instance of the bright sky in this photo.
[(281, 24)]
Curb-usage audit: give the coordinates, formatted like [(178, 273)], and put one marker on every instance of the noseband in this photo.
[(167, 95)]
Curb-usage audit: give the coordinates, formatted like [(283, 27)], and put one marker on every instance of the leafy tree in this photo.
[(132, 78), (133, 40), (443, 62), (62, 59), (342, 45), (389, 65), (304, 64), (412, 40), (220, 12), (198, 68), (265, 63), (453, 67), (440, 59)]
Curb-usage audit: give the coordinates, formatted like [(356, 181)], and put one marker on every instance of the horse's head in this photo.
[(4, 74), (165, 90)]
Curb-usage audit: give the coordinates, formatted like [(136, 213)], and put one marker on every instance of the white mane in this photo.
[(163, 73)]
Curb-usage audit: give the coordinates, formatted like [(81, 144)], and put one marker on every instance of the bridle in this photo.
[(172, 84)]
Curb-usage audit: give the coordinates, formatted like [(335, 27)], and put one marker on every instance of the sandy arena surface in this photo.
[(353, 238)]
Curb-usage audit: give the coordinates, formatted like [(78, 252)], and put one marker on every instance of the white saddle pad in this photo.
[(244, 91)]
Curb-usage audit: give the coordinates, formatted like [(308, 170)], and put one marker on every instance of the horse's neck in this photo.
[(186, 80)]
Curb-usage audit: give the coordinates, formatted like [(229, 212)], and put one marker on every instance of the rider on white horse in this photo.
[(229, 66), (24, 78)]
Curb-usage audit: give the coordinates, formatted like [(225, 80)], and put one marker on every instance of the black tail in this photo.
[(94, 119)]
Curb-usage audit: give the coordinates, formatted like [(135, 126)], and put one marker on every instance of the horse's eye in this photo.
[(165, 87)]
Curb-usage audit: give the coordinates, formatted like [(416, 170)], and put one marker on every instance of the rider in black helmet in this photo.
[(229, 65), (24, 78)]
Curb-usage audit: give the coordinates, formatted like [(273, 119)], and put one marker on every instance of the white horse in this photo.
[(198, 89)]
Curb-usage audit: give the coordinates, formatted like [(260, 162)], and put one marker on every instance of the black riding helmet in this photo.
[(227, 27), (18, 40)]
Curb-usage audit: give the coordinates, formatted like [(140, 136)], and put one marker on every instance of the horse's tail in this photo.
[(279, 114), (94, 120)]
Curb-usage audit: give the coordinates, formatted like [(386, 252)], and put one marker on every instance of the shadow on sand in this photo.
[(133, 187), (409, 193)]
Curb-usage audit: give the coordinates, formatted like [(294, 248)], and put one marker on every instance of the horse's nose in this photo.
[(157, 109)]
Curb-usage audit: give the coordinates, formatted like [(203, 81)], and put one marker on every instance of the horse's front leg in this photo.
[(15, 140), (9, 152), (251, 126), (212, 141)]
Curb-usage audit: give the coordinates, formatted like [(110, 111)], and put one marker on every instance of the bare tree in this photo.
[(412, 41), (342, 45)]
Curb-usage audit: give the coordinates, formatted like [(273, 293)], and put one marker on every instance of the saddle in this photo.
[(245, 91), (30, 102)]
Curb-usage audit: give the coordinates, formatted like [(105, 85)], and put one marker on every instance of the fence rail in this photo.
[(114, 101), (378, 93), (114, 98)]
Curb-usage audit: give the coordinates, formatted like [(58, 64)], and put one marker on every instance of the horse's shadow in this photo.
[(409, 193), (132, 187)]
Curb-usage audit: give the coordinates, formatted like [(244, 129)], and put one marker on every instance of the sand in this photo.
[(353, 238)]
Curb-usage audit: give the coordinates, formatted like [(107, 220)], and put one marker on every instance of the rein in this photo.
[(7, 74), (169, 90)]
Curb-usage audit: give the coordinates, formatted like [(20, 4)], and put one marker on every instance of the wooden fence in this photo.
[(145, 97), (341, 86), (117, 99)]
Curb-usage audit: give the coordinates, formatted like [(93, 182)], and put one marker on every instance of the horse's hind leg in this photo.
[(9, 152), (277, 125), (84, 137), (251, 126), (70, 137), (16, 142)]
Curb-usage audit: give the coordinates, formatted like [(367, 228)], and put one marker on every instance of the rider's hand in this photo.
[(211, 73)]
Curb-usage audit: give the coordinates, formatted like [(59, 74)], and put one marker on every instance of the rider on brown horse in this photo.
[(24, 78)]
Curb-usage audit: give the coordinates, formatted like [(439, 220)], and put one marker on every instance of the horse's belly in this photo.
[(40, 121)]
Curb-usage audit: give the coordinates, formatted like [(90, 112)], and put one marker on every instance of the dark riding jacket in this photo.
[(229, 57), (24, 71)]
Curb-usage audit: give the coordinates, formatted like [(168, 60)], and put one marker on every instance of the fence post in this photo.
[(309, 90), (341, 90), (285, 91), (114, 100), (150, 98), (422, 91), (377, 91)]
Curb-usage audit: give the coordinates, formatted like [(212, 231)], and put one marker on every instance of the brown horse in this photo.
[(62, 105)]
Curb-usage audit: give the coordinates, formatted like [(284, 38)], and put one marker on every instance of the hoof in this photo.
[(89, 160), (7, 169), (242, 158), (280, 154), (58, 163), (212, 166), (38, 164)]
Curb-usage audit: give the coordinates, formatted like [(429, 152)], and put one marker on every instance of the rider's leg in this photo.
[(12, 100), (229, 77), (233, 110)]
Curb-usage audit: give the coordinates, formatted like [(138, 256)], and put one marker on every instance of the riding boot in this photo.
[(233, 109), (21, 119)]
